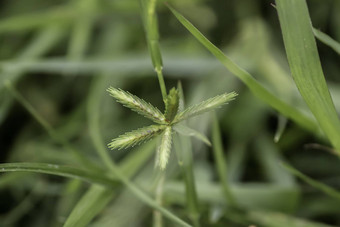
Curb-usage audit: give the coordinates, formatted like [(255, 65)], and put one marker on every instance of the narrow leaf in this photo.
[(221, 163), (94, 200), (304, 62), (164, 149), (98, 178), (316, 184), (326, 39), (257, 89), (58, 170), (186, 131), (138, 105), (205, 106), (135, 137)]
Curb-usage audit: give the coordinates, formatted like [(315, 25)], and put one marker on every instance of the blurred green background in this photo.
[(63, 55)]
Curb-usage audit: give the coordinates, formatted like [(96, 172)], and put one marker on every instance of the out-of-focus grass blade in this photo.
[(221, 165), (59, 170), (257, 89), (186, 131), (54, 16), (305, 65), (273, 219), (326, 39), (81, 32), (281, 126), (269, 157), (316, 184), (128, 65), (95, 199), (251, 196)]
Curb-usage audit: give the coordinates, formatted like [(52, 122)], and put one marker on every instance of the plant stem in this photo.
[(152, 36), (157, 218), (221, 162), (184, 153)]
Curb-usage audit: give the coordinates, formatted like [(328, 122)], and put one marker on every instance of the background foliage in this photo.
[(61, 56)]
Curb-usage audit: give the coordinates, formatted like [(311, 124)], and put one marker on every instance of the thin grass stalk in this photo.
[(157, 216), (152, 36), (96, 137), (187, 168), (221, 165)]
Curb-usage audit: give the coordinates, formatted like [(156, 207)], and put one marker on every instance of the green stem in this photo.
[(152, 35), (221, 162), (157, 218), (184, 153)]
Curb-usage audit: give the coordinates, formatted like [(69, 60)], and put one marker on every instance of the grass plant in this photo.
[(71, 157)]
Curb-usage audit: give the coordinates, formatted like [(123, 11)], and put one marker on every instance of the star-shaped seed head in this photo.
[(166, 123)]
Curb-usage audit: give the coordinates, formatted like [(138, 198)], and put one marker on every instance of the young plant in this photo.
[(166, 123)]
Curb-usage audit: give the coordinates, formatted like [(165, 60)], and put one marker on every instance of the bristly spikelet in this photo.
[(205, 106), (171, 104), (164, 149), (138, 105), (136, 137)]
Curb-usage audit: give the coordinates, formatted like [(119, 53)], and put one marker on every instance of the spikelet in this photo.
[(164, 149), (138, 105), (171, 104), (205, 106), (136, 137)]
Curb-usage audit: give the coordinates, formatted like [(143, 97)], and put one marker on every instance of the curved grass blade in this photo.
[(326, 39), (205, 106), (221, 163), (186, 131), (318, 185), (97, 178), (304, 62), (94, 200), (257, 89), (135, 137), (138, 105), (59, 170)]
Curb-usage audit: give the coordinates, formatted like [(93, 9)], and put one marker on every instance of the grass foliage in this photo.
[(269, 158)]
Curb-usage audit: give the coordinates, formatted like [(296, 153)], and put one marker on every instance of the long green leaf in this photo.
[(221, 164), (59, 170), (95, 199), (305, 65), (318, 185), (326, 39), (257, 89)]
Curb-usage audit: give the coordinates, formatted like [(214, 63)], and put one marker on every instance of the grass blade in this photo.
[(58, 170), (186, 131), (326, 39), (318, 185), (221, 163), (94, 200), (304, 62), (258, 90)]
